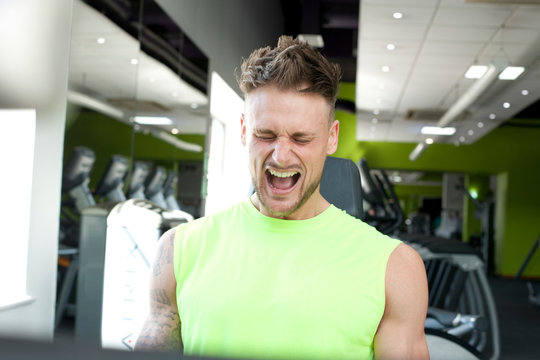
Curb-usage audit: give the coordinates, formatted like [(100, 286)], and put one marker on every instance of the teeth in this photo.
[(282, 174)]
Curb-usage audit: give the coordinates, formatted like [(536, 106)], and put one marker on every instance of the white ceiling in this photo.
[(105, 72), (436, 42)]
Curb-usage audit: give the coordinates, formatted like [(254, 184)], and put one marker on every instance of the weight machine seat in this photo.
[(341, 185)]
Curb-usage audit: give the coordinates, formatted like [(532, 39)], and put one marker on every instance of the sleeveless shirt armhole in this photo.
[(177, 252), (392, 246)]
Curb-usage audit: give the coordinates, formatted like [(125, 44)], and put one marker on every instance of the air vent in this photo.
[(424, 114), (141, 106)]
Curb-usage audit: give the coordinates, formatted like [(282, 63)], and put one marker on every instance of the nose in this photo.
[(282, 152)]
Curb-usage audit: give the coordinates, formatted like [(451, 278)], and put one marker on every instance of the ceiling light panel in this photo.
[(152, 120), (476, 71), (511, 72), (435, 130)]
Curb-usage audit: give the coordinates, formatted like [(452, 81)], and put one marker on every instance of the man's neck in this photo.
[(314, 206)]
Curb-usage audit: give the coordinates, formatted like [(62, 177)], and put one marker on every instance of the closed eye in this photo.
[(265, 137), (302, 140)]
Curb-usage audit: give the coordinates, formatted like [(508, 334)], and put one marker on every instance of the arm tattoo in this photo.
[(160, 296), (165, 256), (161, 332)]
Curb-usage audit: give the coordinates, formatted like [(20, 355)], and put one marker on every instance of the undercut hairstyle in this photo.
[(292, 64)]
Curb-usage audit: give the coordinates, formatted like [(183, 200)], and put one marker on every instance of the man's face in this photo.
[(287, 136)]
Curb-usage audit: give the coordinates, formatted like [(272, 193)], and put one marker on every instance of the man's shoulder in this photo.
[(222, 218)]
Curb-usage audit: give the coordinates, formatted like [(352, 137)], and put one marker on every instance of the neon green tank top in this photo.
[(253, 286)]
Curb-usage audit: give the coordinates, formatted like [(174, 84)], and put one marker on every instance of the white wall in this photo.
[(34, 43), (228, 175)]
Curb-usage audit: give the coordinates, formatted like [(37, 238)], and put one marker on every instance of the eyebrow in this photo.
[(263, 131), (303, 134), (298, 134)]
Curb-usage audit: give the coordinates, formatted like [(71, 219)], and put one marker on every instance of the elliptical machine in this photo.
[(456, 278), (76, 197)]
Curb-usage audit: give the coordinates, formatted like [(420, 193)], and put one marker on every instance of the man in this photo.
[(285, 274)]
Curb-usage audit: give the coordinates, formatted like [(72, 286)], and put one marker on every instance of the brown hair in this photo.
[(289, 65)]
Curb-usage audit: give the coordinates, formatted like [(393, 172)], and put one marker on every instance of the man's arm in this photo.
[(161, 331), (401, 332)]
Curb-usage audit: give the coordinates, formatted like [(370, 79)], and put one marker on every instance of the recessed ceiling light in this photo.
[(462, 139), (435, 130), (194, 105), (374, 120), (152, 120), (101, 40), (511, 72), (376, 112), (470, 132), (480, 124), (385, 68), (476, 71), (524, 92), (397, 178), (134, 61), (397, 15), (506, 105), (429, 141), (174, 131), (390, 47), (492, 116)]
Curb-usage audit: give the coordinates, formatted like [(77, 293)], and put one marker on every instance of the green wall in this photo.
[(107, 137), (511, 153), (410, 196)]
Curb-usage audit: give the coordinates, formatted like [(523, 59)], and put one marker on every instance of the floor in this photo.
[(519, 320)]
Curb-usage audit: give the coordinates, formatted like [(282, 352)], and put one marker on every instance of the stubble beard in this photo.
[(301, 201)]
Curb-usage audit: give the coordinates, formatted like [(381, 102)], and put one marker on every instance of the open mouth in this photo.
[(282, 180)]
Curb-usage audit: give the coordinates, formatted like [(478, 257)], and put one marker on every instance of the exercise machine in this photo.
[(532, 286), (455, 271), (111, 184), (154, 186), (76, 196), (136, 184), (169, 191)]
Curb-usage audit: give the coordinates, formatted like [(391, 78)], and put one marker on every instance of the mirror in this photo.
[(137, 94)]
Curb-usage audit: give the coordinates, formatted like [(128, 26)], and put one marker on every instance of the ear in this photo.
[(243, 129), (333, 136)]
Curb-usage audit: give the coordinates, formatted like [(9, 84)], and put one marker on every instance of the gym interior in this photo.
[(121, 119)]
